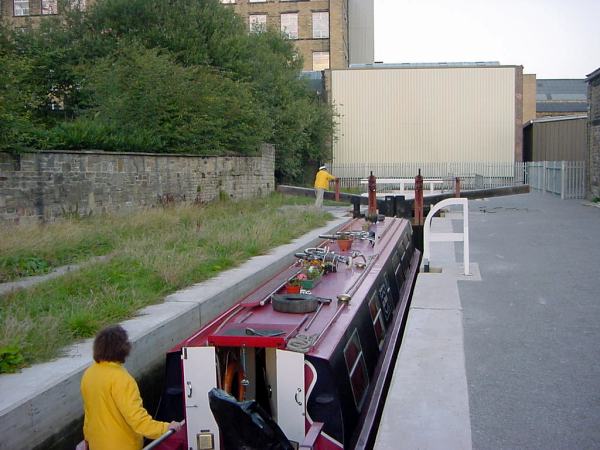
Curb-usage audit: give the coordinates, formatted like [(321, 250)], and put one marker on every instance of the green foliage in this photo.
[(157, 76), (21, 266), (155, 252), (11, 359)]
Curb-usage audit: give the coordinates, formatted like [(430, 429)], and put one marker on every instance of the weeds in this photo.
[(155, 252)]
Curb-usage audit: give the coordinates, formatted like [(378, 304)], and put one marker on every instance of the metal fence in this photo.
[(565, 178)]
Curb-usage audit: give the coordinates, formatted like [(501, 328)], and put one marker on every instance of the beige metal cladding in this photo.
[(424, 114)]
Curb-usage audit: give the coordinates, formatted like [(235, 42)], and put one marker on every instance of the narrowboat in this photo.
[(306, 369)]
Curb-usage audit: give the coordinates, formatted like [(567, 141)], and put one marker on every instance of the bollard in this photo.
[(418, 219), (457, 187), (337, 189), (372, 211)]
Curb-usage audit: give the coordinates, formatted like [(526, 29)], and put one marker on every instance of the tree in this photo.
[(161, 76)]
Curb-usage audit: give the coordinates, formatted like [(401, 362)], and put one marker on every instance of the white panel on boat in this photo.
[(198, 381), (290, 394)]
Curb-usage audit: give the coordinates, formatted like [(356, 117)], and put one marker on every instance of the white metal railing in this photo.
[(429, 237), (564, 178)]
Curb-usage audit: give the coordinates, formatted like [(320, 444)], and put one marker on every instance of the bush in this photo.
[(156, 76)]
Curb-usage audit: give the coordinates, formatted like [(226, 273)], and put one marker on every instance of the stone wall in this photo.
[(47, 185), (594, 134)]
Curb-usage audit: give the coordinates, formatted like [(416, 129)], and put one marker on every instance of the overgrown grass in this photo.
[(154, 253), (36, 249)]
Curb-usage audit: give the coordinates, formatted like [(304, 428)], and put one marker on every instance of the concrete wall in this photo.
[(399, 115), (594, 133), (47, 185)]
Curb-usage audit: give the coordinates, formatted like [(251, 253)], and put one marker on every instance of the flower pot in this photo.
[(292, 289), (344, 244), (311, 283)]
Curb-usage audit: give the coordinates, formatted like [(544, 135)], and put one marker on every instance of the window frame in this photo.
[(322, 34), (359, 393), (250, 24), (26, 12), (328, 60), (289, 36), (48, 10)]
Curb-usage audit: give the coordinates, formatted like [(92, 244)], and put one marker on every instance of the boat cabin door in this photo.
[(202, 430), (285, 375)]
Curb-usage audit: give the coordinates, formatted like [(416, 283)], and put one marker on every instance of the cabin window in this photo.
[(357, 369), (385, 298), (377, 320)]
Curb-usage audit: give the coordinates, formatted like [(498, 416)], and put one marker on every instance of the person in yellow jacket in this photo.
[(321, 183), (114, 415)]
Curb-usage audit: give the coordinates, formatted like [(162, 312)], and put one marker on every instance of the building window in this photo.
[(320, 60), (21, 7), (78, 4), (49, 7), (320, 25), (258, 22), (289, 25)]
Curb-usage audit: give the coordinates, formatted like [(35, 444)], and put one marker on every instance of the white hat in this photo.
[(323, 167)]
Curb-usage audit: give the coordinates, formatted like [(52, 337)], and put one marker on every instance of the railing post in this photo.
[(563, 176), (428, 237)]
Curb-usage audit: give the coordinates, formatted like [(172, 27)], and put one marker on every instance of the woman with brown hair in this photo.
[(114, 415)]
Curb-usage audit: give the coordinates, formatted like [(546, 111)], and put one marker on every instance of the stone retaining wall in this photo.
[(46, 185)]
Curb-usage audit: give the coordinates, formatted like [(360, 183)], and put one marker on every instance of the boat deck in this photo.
[(255, 323)]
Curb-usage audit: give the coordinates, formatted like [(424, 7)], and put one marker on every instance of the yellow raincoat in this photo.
[(114, 415)]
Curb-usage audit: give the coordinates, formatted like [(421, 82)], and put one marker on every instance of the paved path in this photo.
[(528, 375)]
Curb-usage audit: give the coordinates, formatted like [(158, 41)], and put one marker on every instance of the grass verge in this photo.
[(155, 252)]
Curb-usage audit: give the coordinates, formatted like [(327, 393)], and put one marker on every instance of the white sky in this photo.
[(551, 38)]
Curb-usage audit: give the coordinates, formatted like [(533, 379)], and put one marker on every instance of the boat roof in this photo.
[(253, 322)]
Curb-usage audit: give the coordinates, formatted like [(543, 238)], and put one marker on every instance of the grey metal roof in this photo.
[(381, 65), (594, 74), (561, 89), (567, 107), (555, 119)]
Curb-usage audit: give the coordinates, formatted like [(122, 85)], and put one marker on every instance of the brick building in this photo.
[(593, 81), (329, 34), (22, 13)]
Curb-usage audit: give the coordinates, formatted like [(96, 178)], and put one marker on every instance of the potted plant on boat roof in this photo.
[(294, 284), (312, 275)]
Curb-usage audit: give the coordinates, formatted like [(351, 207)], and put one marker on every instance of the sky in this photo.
[(551, 38)]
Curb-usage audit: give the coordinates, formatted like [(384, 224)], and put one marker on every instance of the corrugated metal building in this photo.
[(555, 139), (428, 113)]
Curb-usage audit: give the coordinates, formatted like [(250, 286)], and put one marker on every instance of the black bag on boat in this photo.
[(245, 425)]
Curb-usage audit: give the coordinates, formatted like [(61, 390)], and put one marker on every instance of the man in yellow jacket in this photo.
[(321, 183), (114, 415)]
